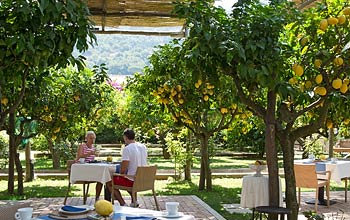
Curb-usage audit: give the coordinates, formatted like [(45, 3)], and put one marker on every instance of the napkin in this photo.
[(69, 208), (56, 217)]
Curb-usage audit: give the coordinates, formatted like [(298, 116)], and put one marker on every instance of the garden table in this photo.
[(99, 172), (255, 191), (339, 169)]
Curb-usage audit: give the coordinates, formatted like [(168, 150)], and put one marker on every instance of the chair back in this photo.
[(69, 165), (144, 178), (305, 175)]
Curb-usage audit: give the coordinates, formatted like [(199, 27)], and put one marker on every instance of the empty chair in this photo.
[(307, 177), (85, 183), (143, 180)]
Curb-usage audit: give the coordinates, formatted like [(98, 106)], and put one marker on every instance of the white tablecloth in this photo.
[(339, 169), (255, 192), (146, 212), (99, 172)]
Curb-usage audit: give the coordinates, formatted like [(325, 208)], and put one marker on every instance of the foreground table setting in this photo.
[(85, 212)]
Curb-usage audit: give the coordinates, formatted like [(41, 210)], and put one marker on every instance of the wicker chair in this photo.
[(143, 181), (307, 177), (86, 184)]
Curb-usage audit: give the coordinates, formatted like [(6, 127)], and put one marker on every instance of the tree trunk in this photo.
[(20, 190), (271, 152), (188, 164), (205, 172), (29, 172), (288, 160), (330, 142), (55, 154), (12, 154)]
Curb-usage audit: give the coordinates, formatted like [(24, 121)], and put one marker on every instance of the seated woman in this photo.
[(88, 151)]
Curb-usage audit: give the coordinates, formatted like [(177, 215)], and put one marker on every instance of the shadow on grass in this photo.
[(40, 191), (215, 198)]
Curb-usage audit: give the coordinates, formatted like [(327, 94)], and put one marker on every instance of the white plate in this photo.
[(166, 215), (87, 208)]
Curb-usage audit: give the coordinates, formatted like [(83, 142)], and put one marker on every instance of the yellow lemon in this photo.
[(318, 63), (54, 137), (304, 41), (320, 90), (319, 79), (346, 81), (323, 24), (332, 21), (179, 88), (344, 88), (346, 11), (76, 98), (346, 121), (338, 61), (103, 207), (292, 81), (160, 90), (63, 118), (337, 83), (196, 85), (206, 98), (341, 19), (308, 84), (109, 159), (181, 101), (329, 124), (4, 101), (299, 70), (223, 110), (57, 130), (199, 82)]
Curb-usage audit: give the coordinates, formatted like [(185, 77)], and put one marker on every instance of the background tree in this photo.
[(263, 49), (33, 36), (199, 102)]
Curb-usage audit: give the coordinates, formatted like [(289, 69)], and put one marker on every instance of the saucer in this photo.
[(166, 215)]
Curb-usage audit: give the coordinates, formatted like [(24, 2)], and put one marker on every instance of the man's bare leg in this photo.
[(98, 190)]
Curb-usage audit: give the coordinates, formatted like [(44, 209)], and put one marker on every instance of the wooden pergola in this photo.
[(146, 17)]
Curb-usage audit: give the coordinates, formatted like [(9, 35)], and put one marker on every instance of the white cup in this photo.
[(334, 160), (172, 208), (82, 160), (24, 213)]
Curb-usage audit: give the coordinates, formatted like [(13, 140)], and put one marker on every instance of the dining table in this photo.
[(255, 191), (339, 169), (100, 172)]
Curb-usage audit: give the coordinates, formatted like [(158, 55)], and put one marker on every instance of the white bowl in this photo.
[(257, 169)]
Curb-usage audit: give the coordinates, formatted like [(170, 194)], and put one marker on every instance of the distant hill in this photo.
[(123, 54)]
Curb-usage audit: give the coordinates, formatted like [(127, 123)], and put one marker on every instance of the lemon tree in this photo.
[(202, 104), (35, 35), (286, 63)]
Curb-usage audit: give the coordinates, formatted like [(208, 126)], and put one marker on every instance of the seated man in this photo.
[(134, 155)]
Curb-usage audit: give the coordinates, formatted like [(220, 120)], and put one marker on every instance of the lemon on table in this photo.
[(103, 207)]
